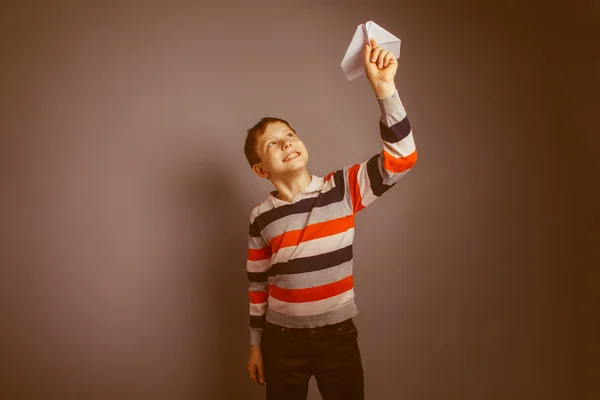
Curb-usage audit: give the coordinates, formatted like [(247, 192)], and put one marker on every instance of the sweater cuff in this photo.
[(392, 110), (255, 336)]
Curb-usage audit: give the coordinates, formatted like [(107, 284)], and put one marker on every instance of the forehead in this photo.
[(276, 127)]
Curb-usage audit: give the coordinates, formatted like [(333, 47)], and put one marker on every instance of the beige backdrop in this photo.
[(127, 195)]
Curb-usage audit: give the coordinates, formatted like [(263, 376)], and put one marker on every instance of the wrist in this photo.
[(255, 348), (383, 89)]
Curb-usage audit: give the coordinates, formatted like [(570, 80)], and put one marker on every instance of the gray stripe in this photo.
[(258, 287), (256, 243), (392, 110), (313, 278), (300, 221), (339, 314)]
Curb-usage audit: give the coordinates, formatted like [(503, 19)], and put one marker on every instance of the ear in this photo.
[(260, 171)]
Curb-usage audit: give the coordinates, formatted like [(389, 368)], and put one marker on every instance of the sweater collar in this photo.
[(315, 185)]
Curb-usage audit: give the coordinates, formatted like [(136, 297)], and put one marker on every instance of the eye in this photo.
[(269, 145)]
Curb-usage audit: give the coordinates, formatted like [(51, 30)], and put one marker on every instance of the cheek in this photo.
[(275, 157)]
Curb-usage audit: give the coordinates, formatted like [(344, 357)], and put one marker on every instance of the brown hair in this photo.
[(253, 135)]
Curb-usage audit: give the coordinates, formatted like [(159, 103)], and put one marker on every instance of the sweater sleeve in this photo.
[(257, 266), (367, 181)]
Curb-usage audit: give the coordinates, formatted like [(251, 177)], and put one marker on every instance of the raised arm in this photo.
[(367, 181)]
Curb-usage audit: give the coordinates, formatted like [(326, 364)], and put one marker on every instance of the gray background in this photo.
[(126, 194)]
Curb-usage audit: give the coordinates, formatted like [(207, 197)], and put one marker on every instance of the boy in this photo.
[(300, 249)]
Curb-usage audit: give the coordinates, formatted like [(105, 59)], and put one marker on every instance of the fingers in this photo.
[(389, 56), (375, 53), (252, 372), (261, 375), (378, 55), (255, 365), (256, 373)]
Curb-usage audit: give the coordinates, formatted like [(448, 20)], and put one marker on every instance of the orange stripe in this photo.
[(311, 232), (259, 254), (392, 164), (329, 176), (312, 294), (355, 188), (258, 297)]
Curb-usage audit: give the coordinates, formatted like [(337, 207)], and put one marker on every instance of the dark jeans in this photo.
[(329, 353)]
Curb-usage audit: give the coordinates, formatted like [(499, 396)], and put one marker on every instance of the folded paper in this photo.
[(353, 64)]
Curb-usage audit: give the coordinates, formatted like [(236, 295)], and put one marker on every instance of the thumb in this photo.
[(369, 49), (367, 53)]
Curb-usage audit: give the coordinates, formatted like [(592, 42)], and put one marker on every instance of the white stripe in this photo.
[(265, 206), (315, 247), (258, 266), (312, 307), (364, 184), (254, 213), (403, 148), (259, 308)]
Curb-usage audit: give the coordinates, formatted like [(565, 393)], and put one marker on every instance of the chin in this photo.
[(294, 169), (300, 165)]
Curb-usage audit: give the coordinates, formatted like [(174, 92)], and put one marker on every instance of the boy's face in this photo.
[(281, 152)]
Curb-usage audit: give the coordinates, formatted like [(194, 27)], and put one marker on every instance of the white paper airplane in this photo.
[(353, 64)]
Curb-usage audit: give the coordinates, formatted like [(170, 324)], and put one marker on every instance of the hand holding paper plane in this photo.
[(353, 64)]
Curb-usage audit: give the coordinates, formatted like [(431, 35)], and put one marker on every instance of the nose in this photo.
[(286, 145)]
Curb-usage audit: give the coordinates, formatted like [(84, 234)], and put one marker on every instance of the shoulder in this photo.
[(260, 208)]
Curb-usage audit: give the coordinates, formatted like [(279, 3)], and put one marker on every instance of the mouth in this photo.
[(291, 156)]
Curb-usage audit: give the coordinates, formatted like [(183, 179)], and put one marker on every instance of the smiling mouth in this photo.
[(291, 156)]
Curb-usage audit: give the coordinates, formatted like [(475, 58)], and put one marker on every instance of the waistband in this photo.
[(341, 324)]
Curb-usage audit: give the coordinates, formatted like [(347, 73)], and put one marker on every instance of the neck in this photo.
[(290, 185)]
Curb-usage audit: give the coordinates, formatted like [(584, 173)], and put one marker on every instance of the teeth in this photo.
[(291, 156)]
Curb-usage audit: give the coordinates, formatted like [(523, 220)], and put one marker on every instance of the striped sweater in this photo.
[(300, 259)]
